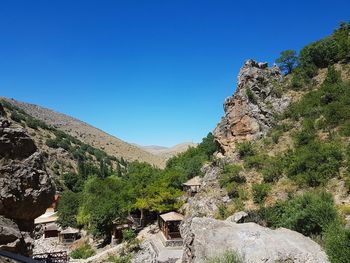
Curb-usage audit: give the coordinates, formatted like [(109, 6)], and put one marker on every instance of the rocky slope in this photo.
[(26, 189), (89, 134), (249, 113)]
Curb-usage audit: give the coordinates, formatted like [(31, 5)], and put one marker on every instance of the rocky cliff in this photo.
[(26, 189), (249, 113)]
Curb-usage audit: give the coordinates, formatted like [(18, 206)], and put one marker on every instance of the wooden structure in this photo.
[(118, 226), (192, 186), (54, 257), (68, 235), (169, 224), (51, 230)]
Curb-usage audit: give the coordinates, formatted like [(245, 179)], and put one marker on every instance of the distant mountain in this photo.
[(89, 134), (167, 152)]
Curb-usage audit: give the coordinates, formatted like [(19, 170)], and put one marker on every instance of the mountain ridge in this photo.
[(89, 134)]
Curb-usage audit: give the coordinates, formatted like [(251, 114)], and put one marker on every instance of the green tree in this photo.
[(102, 201), (287, 61), (68, 209)]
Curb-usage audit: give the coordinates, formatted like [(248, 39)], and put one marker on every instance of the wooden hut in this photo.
[(69, 235), (118, 226), (192, 186), (169, 224), (51, 230)]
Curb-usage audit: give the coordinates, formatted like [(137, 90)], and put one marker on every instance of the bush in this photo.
[(82, 252), (251, 96), (255, 161), (128, 235), (227, 257), (260, 192), (273, 170), (321, 53), (245, 149), (309, 214), (17, 117), (120, 259), (231, 174), (337, 243), (314, 164)]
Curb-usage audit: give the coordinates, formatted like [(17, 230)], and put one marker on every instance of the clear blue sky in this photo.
[(149, 72)]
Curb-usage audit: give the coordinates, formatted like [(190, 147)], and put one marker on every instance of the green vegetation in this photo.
[(287, 61), (231, 180), (251, 96), (260, 192), (82, 252), (227, 257), (141, 187), (68, 209), (337, 243), (245, 149)]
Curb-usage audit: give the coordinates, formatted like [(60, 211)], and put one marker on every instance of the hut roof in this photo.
[(48, 217), (70, 230), (194, 181), (172, 216), (51, 227)]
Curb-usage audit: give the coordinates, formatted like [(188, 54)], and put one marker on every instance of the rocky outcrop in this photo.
[(249, 113), (254, 243), (26, 189)]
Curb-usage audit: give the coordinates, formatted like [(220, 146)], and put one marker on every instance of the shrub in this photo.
[(255, 161), (273, 170), (314, 164), (245, 149), (321, 53), (128, 235), (82, 252), (227, 257), (120, 259), (251, 96), (309, 214), (231, 174), (17, 117), (260, 192), (337, 243)]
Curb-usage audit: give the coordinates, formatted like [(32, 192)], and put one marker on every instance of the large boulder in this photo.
[(209, 238), (26, 189), (250, 112)]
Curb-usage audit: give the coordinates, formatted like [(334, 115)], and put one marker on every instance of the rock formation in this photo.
[(26, 189), (254, 243), (249, 113)]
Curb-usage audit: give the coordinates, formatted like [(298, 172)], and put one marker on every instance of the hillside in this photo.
[(168, 152), (89, 134)]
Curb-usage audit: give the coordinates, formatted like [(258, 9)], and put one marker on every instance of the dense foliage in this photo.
[(83, 252), (141, 188)]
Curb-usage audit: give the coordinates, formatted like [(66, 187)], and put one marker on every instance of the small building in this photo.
[(192, 186), (51, 230), (69, 235), (118, 226), (169, 224)]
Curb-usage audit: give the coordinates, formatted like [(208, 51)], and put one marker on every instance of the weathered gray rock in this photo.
[(26, 189), (254, 243), (249, 113), (237, 217)]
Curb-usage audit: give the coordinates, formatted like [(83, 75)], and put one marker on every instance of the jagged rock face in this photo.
[(26, 189), (205, 203), (254, 243), (249, 113)]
